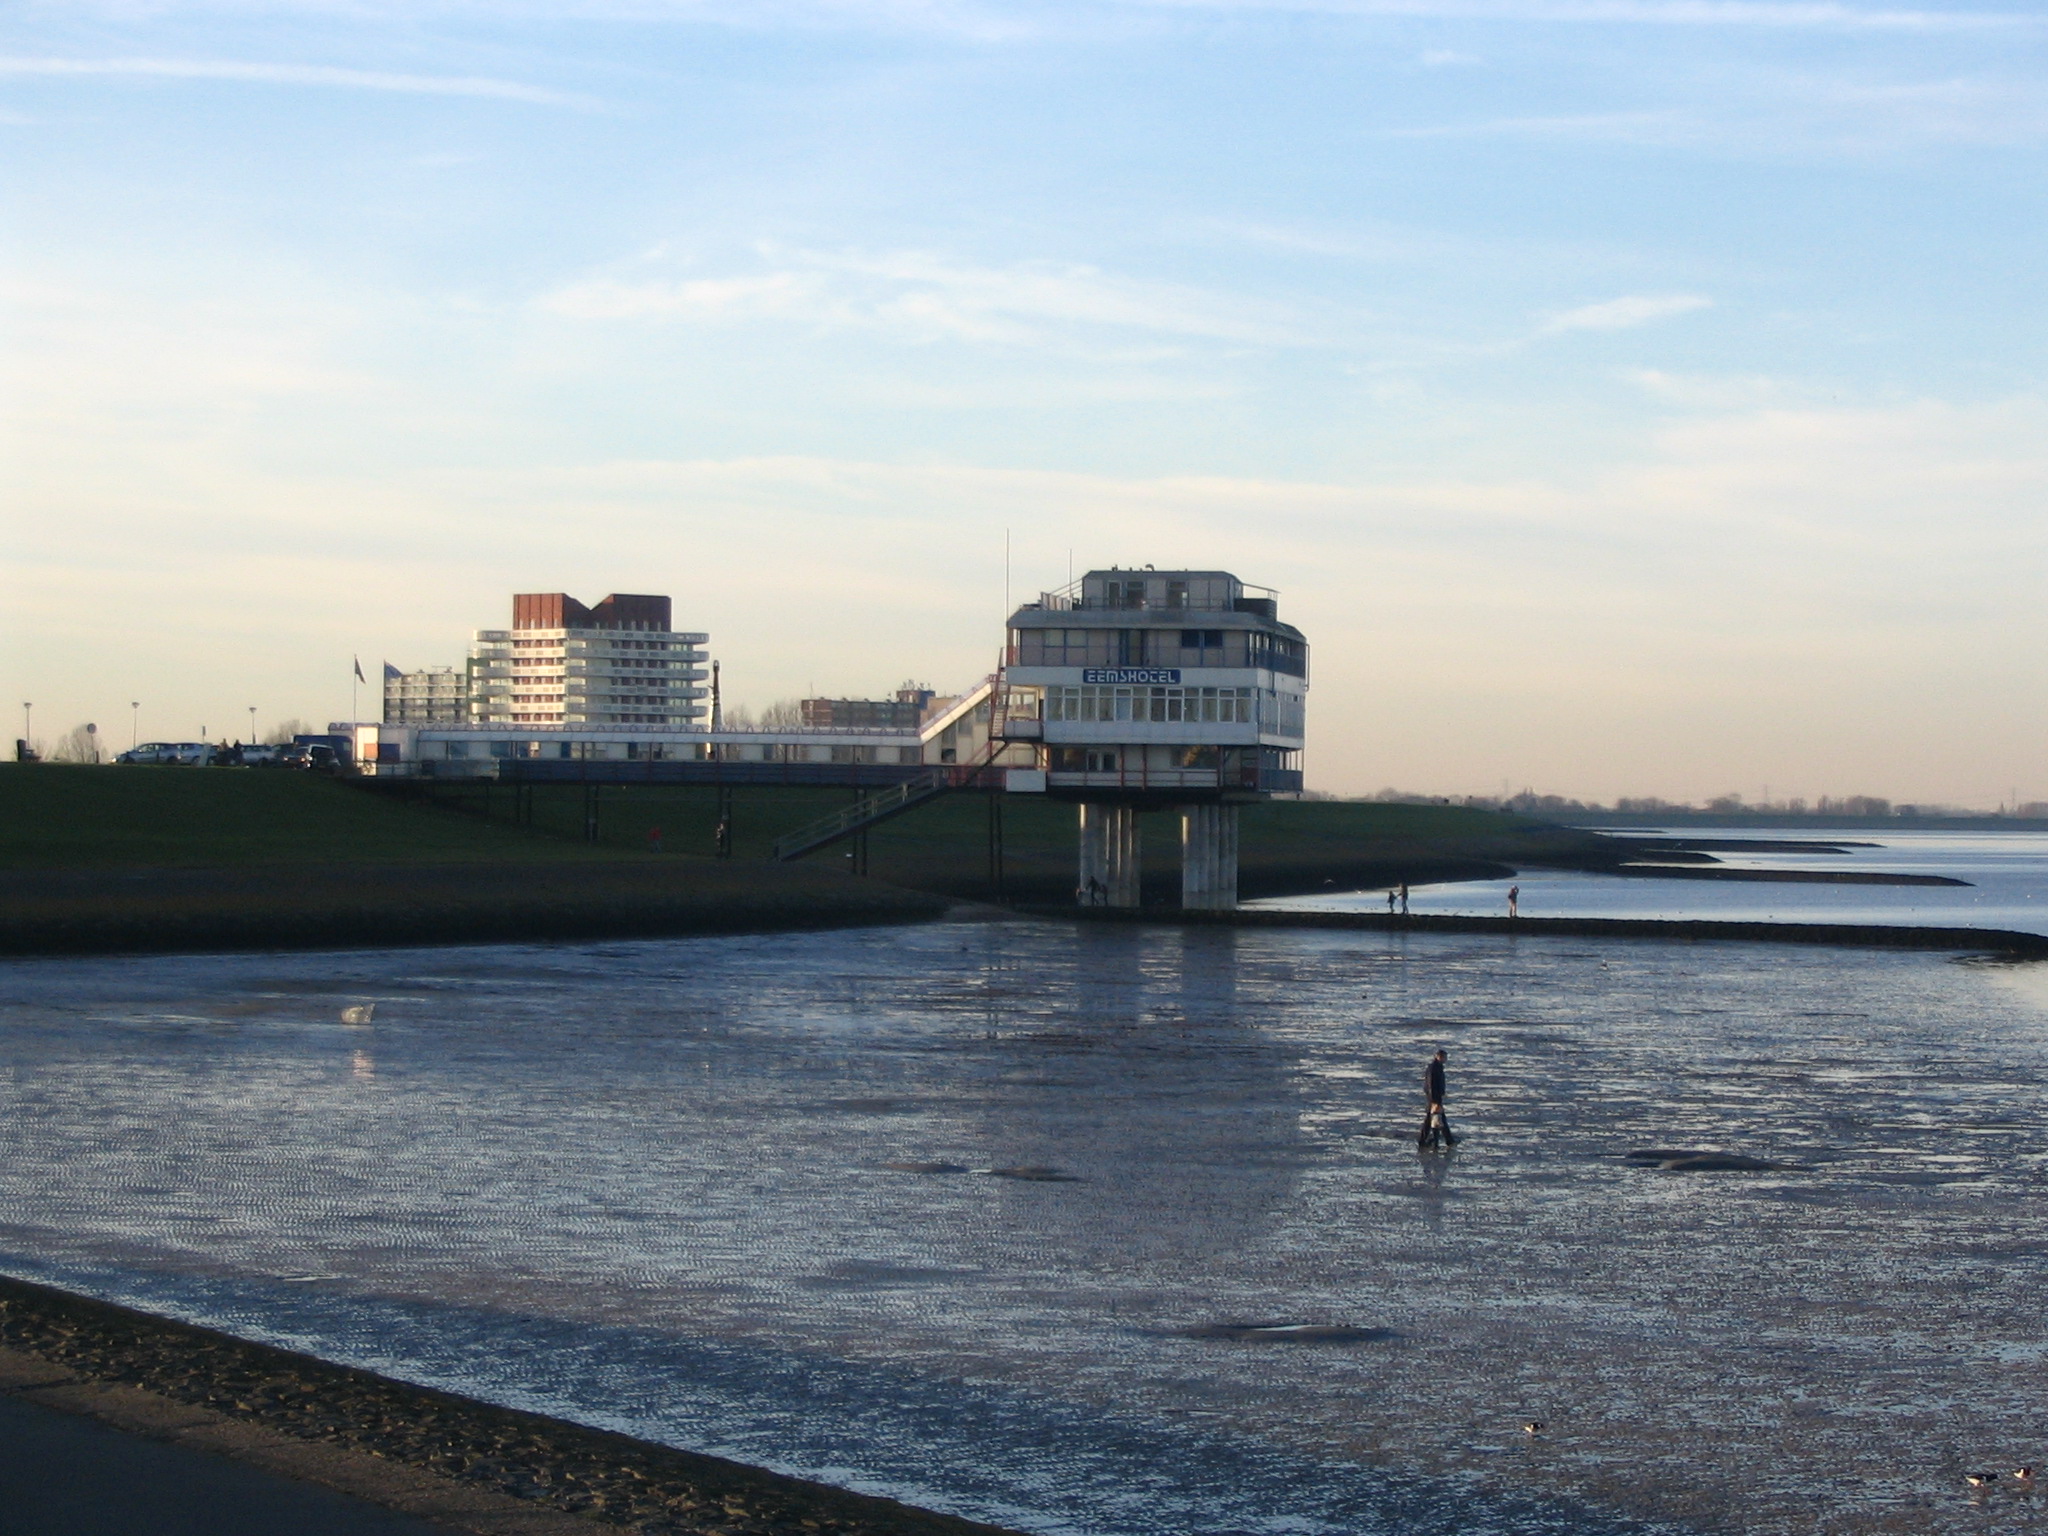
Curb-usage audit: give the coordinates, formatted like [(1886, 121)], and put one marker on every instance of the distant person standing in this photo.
[(1436, 1129), (1514, 901), (1404, 898), (1390, 903), (654, 839)]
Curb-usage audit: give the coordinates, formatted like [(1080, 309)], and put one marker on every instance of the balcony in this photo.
[(1139, 778), (1267, 781)]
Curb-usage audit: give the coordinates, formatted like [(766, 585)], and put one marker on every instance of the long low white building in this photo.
[(954, 733)]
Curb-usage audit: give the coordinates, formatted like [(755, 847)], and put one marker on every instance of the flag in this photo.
[(359, 670)]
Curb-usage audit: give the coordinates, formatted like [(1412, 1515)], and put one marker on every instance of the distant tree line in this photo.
[(1529, 803)]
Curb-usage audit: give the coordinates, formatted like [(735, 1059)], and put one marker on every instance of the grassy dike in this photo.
[(107, 860), (103, 860), (1287, 847)]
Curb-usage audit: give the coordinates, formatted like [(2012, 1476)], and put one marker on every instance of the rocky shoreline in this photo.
[(471, 1465)]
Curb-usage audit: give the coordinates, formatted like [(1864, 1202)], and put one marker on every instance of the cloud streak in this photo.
[(1777, 14), (998, 23), (319, 75), (923, 296), (1623, 314)]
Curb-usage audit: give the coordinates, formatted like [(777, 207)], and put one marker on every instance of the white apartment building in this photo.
[(427, 696), (616, 663)]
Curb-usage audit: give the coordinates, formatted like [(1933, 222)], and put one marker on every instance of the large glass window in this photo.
[(1097, 703)]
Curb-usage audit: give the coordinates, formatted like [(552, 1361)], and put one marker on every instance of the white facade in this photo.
[(1159, 681), (605, 677), (428, 696), (956, 734)]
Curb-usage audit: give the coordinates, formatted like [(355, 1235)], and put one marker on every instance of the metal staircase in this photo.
[(863, 813), (898, 798)]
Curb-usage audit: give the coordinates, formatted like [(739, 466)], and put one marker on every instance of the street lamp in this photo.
[(134, 723), (252, 725), (26, 734), (92, 733)]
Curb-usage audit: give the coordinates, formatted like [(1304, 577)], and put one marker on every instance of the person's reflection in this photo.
[(1435, 1168)]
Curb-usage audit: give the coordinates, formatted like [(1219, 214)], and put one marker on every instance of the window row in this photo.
[(1091, 702), (1158, 648)]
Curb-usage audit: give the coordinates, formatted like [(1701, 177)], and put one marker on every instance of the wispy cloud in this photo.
[(1723, 392), (1806, 14), (1622, 314), (924, 296), (1778, 112), (778, 295), (297, 74), (985, 21), (1661, 126)]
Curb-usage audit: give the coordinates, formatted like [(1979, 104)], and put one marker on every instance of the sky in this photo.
[(1627, 397)]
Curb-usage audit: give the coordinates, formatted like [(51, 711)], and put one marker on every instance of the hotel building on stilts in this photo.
[(1157, 690)]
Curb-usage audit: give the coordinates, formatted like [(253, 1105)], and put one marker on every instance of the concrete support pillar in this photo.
[(1208, 857), (1109, 855)]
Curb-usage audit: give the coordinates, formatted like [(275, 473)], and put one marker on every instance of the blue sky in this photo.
[(1627, 397)]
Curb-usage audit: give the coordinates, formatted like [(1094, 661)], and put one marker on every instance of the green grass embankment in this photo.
[(107, 859), (1285, 847), (113, 859), (55, 816)]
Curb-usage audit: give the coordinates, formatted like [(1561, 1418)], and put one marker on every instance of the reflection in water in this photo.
[(1135, 1070), (1436, 1167), (649, 1184)]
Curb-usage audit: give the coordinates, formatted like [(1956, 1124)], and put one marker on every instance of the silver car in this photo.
[(192, 754)]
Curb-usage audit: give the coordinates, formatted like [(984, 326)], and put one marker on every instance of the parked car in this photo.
[(256, 755), (308, 754), (191, 754)]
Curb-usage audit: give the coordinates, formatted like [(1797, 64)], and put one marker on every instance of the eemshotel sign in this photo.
[(1130, 674)]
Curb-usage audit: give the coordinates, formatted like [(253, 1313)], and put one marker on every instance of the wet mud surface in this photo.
[(1108, 1230)]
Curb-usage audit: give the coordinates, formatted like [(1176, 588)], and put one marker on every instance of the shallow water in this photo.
[(2007, 875), (642, 1185)]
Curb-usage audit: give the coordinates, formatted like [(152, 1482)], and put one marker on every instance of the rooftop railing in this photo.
[(1073, 597)]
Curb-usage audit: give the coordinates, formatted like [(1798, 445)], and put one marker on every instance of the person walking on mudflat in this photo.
[(1436, 1129)]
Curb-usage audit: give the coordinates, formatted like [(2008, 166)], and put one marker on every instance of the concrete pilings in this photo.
[(1109, 855), (1208, 858)]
